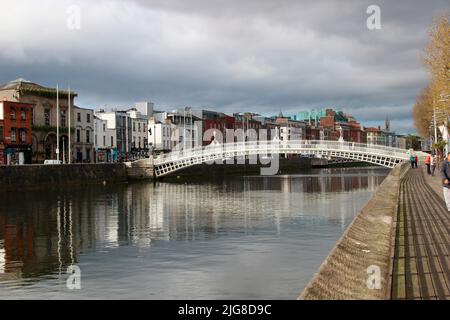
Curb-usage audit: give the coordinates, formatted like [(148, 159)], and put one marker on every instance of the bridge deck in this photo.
[(421, 266)]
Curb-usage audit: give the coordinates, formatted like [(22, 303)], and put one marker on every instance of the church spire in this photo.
[(387, 124)]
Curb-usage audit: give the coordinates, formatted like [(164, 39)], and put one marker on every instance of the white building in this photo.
[(119, 122), (186, 129), (83, 138), (145, 108), (139, 131), (159, 135), (104, 140), (291, 130)]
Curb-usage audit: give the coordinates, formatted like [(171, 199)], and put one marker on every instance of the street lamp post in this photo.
[(64, 150)]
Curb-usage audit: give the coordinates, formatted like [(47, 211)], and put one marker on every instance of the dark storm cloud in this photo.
[(250, 55)]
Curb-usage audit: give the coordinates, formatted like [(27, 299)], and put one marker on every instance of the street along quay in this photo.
[(398, 246)]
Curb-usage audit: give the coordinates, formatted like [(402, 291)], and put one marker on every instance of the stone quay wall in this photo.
[(360, 265), (13, 178)]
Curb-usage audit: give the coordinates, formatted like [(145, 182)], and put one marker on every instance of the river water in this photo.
[(235, 238)]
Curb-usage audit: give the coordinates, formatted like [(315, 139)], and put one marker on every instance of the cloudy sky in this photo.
[(255, 55)]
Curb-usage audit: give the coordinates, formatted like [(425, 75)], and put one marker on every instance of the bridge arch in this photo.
[(379, 155)]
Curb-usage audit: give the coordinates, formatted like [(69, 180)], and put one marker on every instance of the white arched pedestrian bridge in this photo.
[(375, 154)]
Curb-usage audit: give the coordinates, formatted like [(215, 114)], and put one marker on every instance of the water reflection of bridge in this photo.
[(44, 232)]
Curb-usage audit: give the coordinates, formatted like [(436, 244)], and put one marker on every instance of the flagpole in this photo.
[(57, 123), (69, 132)]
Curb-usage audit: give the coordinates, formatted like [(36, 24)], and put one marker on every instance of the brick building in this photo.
[(43, 117), (15, 133)]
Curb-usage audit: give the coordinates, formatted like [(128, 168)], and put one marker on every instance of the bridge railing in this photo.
[(277, 146)]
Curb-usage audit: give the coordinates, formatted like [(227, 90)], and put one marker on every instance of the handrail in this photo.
[(277, 146)]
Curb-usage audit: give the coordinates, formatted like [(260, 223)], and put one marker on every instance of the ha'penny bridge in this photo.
[(398, 245), (216, 152)]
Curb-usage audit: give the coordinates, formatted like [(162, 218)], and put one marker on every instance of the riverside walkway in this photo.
[(404, 232), (421, 261)]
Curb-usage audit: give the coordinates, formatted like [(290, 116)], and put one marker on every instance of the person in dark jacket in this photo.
[(445, 175)]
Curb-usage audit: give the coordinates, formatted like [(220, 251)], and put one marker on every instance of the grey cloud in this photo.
[(230, 55)]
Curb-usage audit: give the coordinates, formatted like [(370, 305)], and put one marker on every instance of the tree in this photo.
[(423, 112), (440, 147), (437, 61), (437, 58)]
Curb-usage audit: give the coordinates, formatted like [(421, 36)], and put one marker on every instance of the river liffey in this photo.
[(234, 238)]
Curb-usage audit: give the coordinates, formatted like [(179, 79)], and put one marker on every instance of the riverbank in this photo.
[(31, 177), (42, 176), (365, 248)]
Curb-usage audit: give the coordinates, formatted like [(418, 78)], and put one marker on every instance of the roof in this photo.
[(26, 86), (372, 130)]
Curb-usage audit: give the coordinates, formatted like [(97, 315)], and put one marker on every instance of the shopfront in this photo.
[(17, 155)]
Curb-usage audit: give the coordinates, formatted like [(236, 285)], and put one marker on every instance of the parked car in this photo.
[(52, 162)]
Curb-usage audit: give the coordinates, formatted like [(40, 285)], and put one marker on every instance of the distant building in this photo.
[(401, 142), (383, 137), (160, 135), (145, 108), (15, 133), (104, 140), (336, 124), (214, 121), (311, 116), (83, 144), (44, 117), (291, 129), (139, 131), (120, 123), (186, 128), (375, 136)]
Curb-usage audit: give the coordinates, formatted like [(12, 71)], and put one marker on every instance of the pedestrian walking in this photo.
[(445, 175), (428, 163), (416, 161), (433, 163), (411, 159)]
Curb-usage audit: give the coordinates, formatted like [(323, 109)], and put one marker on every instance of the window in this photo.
[(112, 142), (139, 127), (63, 119), (23, 115), (139, 142), (104, 141), (47, 117), (1, 134), (88, 136), (96, 140), (78, 135), (23, 136), (104, 127), (88, 118), (79, 117), (134, 126), (13, 135), (13, 113)]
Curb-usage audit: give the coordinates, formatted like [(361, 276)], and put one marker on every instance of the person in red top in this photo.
[(428, 163)]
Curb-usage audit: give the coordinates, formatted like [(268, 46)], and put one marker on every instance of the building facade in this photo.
[(44, 117), (160, 135), (104, 139), (186, 128), (139, 131), (118, 122), (83, 142), (15, 133)]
